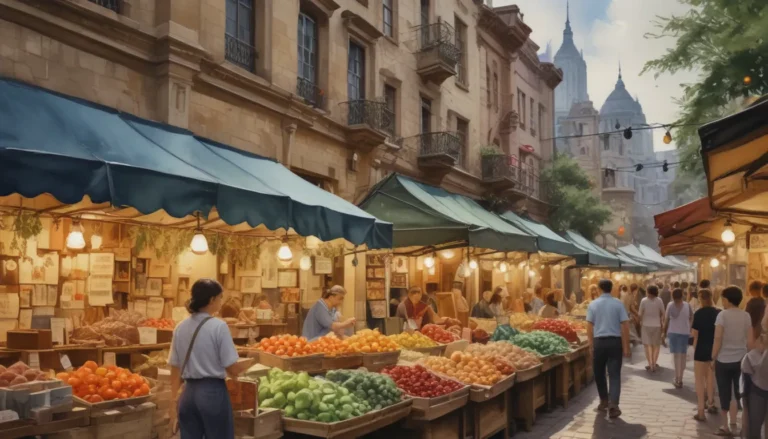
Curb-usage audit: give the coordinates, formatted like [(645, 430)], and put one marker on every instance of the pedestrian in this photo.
[(608, 335), (717, 298), (652, 318), (755, 368), (665, 295), (495, 304), (733, 337), (756, 306), (629, 306), (549, 310), (482, 309), (537, 303), (684, 287), (203, 354), (703, 331), (693, 299), (677, 325)]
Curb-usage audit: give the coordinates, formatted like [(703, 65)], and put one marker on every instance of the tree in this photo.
[(726, 42), (576, 205)]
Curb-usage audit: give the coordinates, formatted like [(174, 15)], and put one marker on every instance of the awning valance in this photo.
[(73, 149), (632, 265), (593, 255), (546, 239), (425, 215)]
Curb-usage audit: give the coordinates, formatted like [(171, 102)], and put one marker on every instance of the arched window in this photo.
[(488, 86), (495, 86)]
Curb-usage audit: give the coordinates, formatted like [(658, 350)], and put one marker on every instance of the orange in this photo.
[(91, 379), (91, 365), (111, 367), (62, 376), (117, 385), (137, 392), (101, 371), (109, 394), (111, 375), (74, 382), (144, 389), (123, 395), (104, 381), (92, 389), (96, 398)]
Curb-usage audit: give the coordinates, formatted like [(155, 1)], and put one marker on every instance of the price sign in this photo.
[(65, 363), (109, 359), (147, 335), (34, 360)]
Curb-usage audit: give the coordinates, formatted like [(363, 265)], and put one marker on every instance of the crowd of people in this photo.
[(727, 331)]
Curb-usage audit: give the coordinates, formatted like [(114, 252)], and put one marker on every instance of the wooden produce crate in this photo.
[(126, 422), (266, 424), (551, 362), (33, 339), (563, 381), (435, 351), (306, 363), (486, 419), (79, 354), (114, 404), (351, 428), (484, 393), (76, 417), (429, 409), (378, 361), (351, 361), (522, 376), (528, 396), (38, 401), (123, 353), (448, 426)]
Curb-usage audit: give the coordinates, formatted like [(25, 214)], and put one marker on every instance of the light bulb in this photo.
[(466, 271), (95, 241), (429, 262), (668, 138), (284, 254), (199, 244), (503, 267), (473, 264), (447, 254), (542, 266), (305, 263), (728, 236), (714, 263), (531, 273), (431, 270), (75, 239)]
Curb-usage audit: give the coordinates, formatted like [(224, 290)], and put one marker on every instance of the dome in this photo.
[(620, 101)]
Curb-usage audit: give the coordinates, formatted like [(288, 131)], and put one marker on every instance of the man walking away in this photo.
[(608, 334), (666, 294)]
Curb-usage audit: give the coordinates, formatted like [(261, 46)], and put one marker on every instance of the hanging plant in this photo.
[(330, 250), (167, 243), (245, 251), (25, 226), (219, 245)]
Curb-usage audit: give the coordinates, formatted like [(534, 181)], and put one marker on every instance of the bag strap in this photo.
[(192, 342)]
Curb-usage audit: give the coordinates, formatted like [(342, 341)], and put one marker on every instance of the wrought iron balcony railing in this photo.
[(113, 5), (310, 92), (440, 37), (372, 113), (497, 167), (239, 52), (441, 143)]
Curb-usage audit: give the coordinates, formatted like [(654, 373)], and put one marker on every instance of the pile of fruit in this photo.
[(466, 368), (515, 355), (95, 383), (580, 309), (504, 333), (412, 356), (285, 346), (439, 334), (418, 381), (377, 390), (302, 397), (523, 321), (158, 323), (479, 335), (331, 346), (542, 343), (488, 325), (413, 340), (577, 324), (19, 373), (370, 341), (559, 327)]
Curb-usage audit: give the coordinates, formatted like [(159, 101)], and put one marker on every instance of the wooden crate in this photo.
[(33, 339), (448, 426), (307, 363), (127, 422), (552, 361), (378, 361), (527, 374), (435, 351), (77, 417), (486, 419), (351, 361), (115, 404), (428, 409), (484, 393), (266, 424), (351, 428), (528, 396)]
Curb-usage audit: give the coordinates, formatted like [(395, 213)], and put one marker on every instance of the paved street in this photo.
[(651, 408)]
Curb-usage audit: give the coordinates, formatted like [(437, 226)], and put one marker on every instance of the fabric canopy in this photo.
[(735, 154), (592, 254), (547, 240), (631, 265), (633, 252), (425, 215), (658, 259), (73, 149)]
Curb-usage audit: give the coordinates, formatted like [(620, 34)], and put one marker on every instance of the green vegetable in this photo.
[(280, 400), (268, 403), (303, 416), (289, 410), (303, 399), (542, 343)]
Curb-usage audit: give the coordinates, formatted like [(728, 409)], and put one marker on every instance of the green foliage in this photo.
[(725, 41), (490, 150), (577, 207), (26, 225)]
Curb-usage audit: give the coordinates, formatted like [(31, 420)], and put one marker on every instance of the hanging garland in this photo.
[(26, 225)]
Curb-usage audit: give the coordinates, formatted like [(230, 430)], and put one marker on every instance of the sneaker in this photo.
[(614, 412), (603, 406)]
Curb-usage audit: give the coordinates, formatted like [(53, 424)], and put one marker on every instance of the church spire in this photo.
[(620, 82), (568, 33)]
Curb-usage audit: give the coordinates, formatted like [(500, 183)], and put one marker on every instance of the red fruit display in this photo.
[(418, 381), (559, 327), (439, 334)]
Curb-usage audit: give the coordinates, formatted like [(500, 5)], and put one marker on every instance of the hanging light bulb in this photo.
[(305, 263), (503, 267), (714, 263), (199, 244), (429, 261), (467, 271), (668, 137), (447, 254), (284, 254), (431, 270), (728, 236), (543, 266), (75, 239), (473, 264)]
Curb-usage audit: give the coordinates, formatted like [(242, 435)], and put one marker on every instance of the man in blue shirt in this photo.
[(323, 317), (608, 334)]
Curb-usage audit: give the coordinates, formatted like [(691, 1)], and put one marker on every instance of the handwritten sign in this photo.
[(25, 319), (58, 328), (147, 335), (100, 298), (52, 295), (40, 295), (140, 306), (65, 362), (109, 359), (155, 307), (123, 254), (34, 360), (9, 305), (102, 264)]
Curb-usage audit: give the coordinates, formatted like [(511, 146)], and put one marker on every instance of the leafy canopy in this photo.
[(578, 208)]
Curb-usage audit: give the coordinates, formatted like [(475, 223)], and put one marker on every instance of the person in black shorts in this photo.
[(703, 330)]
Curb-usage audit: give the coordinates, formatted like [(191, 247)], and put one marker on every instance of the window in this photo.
[(462, 130), (356, 72), (495, 91), (426, 116), (388, 17), (424, 15), (239, 34), (541, 119), (306, 85), (109, 4), (521, 105), (581, 129), (390, 120), (533, 124), (487, 86), (461, 42)]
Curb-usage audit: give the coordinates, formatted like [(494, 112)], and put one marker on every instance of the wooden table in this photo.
[(528, 395)]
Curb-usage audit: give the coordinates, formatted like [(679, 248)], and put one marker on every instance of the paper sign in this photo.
[(109, 359), (123, 254), (25, 319), (81, 265), (65, 363), (140, 306), (100, 298), (40, 295), (53, 295), (51, 264), (147, 335), (25, 295), (34, 360), (155, 307), (179, 313), (58, 326), (43, 311), (99, 283), (9, 305), (102, 264), (158, 268)]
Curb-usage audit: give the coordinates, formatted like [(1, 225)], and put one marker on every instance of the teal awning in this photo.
[(593, 255), (631, 251), (425, 215), (647, 255), (71, 148), (631, 265), (546, 239)]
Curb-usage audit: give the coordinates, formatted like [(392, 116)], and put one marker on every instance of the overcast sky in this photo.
[(609, 31)]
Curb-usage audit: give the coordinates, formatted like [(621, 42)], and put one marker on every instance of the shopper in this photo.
[(677, 325), (414, 311), (755, 368), (322, 318), (693, 299), (495, 304), (733, 337), (482, 309), (549, 310), (703, 331), (755, 306), (665, 295), (652, 318), (594, 292), (608, 334), (203, 354), (537, 303), (717, 298)]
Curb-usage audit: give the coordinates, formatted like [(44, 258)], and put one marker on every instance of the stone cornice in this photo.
[(504, 23), (551, 74), (360, 27)]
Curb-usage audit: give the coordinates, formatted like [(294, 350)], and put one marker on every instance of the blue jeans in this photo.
[(205, 410), (608, 354)]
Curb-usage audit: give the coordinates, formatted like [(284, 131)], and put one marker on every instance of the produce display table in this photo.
[(127, 421), (378, 361), (487, 411), (77, 417), (123, 353), (437, 417), (530, 394), (312, 364), (351, 428)]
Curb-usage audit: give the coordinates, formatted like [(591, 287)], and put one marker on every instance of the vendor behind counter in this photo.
[(324, 316)]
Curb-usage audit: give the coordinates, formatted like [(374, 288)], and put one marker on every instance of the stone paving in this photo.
[(651, 407)]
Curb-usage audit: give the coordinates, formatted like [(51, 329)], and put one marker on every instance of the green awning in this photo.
[(631, 251), (631, 265), (71, 148), (425, 215), (658, 259), (593, 255), (546, 239)]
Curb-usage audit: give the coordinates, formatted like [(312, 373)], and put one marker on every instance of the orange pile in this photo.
[(158, 323), (285, 346), (96, 384), (331, 346), (370, 341)]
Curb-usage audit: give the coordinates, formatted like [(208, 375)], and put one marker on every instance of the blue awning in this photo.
[(71, 148), (546, 239), (594, 255)]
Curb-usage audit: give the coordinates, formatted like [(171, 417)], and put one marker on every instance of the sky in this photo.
[(609, 32)]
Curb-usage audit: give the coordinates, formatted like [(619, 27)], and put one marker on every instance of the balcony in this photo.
[(506, 175), (439, 152), (438, 53), (113, 5), (310, 92), (240, 53), (368, 123)]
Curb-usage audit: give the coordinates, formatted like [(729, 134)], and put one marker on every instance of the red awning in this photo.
[(684, 217)]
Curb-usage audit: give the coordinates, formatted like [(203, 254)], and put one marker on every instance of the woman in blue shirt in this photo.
[(323, 317)]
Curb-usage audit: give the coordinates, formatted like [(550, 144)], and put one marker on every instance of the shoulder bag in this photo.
[(175, 428)]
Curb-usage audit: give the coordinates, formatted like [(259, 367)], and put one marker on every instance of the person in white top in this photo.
[(677, 325), (652, 317), (733, 339)]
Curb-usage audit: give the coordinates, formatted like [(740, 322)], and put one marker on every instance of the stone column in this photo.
[(283, 153)]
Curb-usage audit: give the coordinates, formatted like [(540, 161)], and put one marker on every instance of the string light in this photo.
[(714, 263), (429, 261), (75, 239), (473, 264), (199, 244), (284, 254), (667, 137), (728, 236)]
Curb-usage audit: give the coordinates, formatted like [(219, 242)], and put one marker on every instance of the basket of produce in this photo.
[(488, 376), (289, 352), (378, 350), (119, 329), (439, 334), (102, 387), (542, 343), (337, 354), (560, 327), (433, 396), (518, 357), (504, 333), (523, 321), (418, 342)]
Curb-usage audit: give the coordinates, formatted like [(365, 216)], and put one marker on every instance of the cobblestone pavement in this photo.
[(651, 407)]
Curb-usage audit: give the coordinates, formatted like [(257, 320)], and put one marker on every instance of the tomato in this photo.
[(109, 394), (101, 371), (96, 398), (144, 389), (90, 364), (117, 385), (92, 379), (74, 382), (123, 395), (111, 375)]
